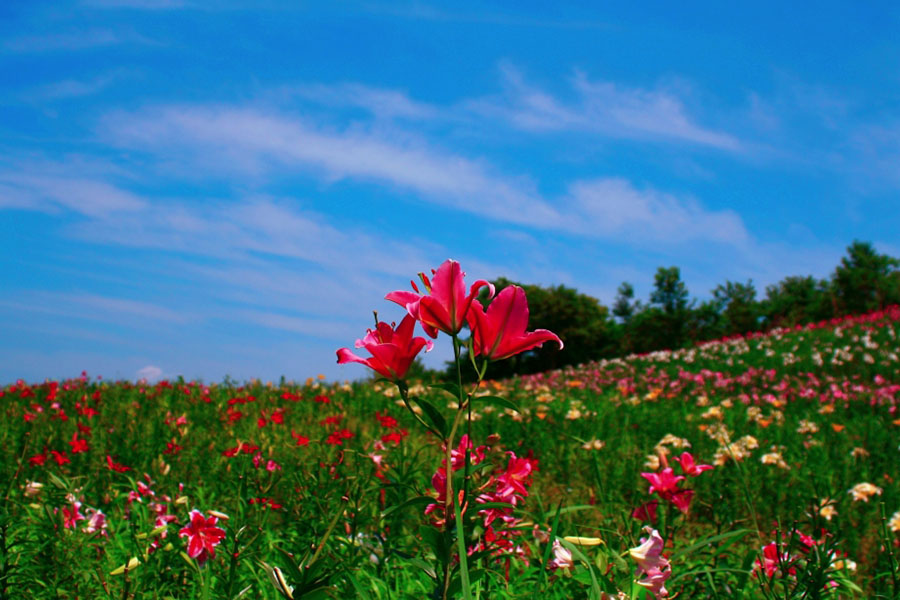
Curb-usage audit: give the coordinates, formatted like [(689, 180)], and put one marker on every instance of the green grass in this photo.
[(821, 399)]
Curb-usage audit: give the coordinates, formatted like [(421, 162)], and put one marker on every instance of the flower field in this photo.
[(759, 467)]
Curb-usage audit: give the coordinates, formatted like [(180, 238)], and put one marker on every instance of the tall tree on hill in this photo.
[(865, 280), (670, 299), (625, 306), (740, 310), (795, 300)]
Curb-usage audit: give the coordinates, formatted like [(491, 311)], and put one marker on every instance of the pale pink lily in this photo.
[(95, 522), (652, 567), (562, 557), (501, 331), (393, 350), (445, 305)]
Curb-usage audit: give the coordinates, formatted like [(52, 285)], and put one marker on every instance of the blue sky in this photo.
[(212, 188)]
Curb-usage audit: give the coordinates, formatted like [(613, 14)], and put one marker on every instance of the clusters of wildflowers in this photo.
[(504, 489), (791, 554), (496, 333)]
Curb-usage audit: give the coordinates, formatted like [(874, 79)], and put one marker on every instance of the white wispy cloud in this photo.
[(95, 307), (380, 102), (36, 189), (615, 207), (260, 226), (258, 142), (602, 108)]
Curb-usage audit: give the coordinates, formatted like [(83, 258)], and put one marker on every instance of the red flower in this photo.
[(114, 466), (393, 350), (445, 306), (500, 332), (60, 457), (337, 438), (172, 448), (386, 420), (37, 460), (395, 437), (203, 536), (78, 445), (646, 511), (302, 440)]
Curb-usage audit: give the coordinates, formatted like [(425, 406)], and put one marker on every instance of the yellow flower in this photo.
[(864, 491), (894, 522)]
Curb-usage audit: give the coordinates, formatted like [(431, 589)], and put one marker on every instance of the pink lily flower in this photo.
[(71, 514), (445, 306), (665, 483), (203, 536), (517, 477), (458, 454), (500, 332), (393, 350), (690, 468), (682, 500)]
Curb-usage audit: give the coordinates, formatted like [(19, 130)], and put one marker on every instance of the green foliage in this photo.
[(741, 311), (796, 300), (866, 280), (339, 526)]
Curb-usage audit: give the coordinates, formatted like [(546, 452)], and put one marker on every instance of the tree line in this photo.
[(864, 280)]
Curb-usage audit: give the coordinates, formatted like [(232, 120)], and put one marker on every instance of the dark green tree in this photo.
[(624, 306), (669, 291), (865, 280), (740, 311), (670, 298), (706, 321), (796, 300)]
